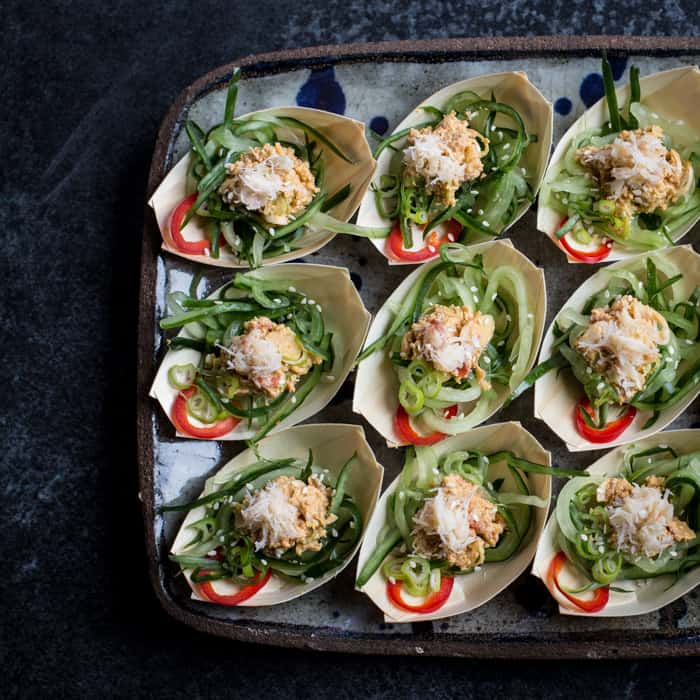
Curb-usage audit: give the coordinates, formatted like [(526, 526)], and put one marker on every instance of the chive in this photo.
[(610, 94), (553, 362), (635, 96), (231, 96), (341, 484), (193, 133)]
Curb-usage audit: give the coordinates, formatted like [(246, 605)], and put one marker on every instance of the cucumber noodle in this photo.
[(422, 473), (210, 324), (237, 558), (484, 206), (459, 279), (251, 238), (571, 192), (583, 529), (677, 372)]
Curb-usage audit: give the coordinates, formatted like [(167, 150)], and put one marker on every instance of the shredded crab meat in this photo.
[(641, 517), (270, 179), (637, 170), (451, 339), (456, 524), (269, 356), (445, 156), (287, 513), (622, 343)]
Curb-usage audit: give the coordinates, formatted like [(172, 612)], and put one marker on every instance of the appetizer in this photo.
[(458, 525), (265, 187), (625, 350), (451, 343), (281, 520), (624, 177), (463, 166), (623, 540), (265, 351)]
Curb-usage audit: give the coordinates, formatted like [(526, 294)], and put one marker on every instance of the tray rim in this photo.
[(420, 641)]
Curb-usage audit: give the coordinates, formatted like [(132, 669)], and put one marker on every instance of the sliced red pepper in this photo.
[(432, 602), (181, 243), (402, 422), (434, 241), (610, 432), (600, 595), (206, 590), (589, 256), (182, 421)]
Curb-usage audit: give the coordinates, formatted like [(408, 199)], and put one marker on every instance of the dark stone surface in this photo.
[(84, 89)]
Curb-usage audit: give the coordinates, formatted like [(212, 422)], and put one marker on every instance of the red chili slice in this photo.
[(402, 422), (181, 243), (432, 602), (207, 591), (434, 241), (181, 420), (610, 432), (600, 595), (592, 256)]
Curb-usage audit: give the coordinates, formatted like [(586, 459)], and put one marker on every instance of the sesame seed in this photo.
[(584, 537), (318, 308), (474, 192), (589, 370), (486, 223), (291, 289), (473, 289), (431, 248), (600, 386), (480, 212)]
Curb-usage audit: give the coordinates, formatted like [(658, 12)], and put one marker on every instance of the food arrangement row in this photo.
[(455, 342)]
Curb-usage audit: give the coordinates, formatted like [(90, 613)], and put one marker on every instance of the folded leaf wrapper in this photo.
[(332, 445), (471, 590), (557, 393), (513, 89), (348, 134), (377, 384), (345, 316), (672, 93), (647, 595)]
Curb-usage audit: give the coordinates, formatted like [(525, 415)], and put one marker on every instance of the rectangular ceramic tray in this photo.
[(385, 81)]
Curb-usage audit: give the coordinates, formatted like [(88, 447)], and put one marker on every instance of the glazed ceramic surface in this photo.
[(380, 89)]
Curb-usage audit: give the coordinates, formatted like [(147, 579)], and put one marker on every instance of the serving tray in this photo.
[(379, 84)]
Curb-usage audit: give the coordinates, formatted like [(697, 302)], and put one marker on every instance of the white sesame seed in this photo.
[(584, 537), (486, 223), (318, 308), (474, 192), (600, 386), (291, 289), (473, 289), (431, 248), (480, 212)]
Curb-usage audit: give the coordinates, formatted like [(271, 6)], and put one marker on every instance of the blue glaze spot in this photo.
[(322, 91), (379, 125), (563, 106), (356, 280), (617, 66), (591, 89)]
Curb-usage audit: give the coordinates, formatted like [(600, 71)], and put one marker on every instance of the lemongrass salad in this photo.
[(448, 516), (258, 185), (263, 347), (633, 346), (456, 176), (631, 182), (640, 523), (461, 332), (275, 516)]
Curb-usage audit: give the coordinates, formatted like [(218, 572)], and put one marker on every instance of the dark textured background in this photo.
[(83, 92)]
